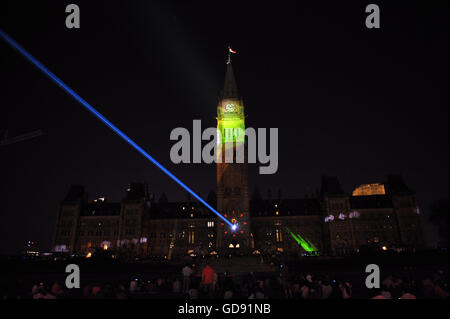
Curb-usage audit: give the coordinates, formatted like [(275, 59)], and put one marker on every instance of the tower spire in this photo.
[(230, 89)]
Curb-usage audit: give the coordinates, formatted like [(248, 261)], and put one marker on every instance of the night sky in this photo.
[(348, 101)]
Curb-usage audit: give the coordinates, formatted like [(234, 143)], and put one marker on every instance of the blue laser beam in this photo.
[(91, 109)]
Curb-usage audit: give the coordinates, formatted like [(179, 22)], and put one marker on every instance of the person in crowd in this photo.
[(428, 288), (121, 292), (215, 282), (176, 286), (187, 273), (208, 279), (193, 291), (385, 292), (376, 293), (326, 289), (43, 294), (407, 290), (439, 292), (346, 290), (315, 292), (285, 281), (251, 286), (56, 289), (87, 291), (34, 289), (228, 294), (133, 286)]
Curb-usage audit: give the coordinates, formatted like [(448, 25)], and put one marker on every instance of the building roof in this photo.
[(75, 193), (396, 185), (369, 189), (137, 191), (331, 185)]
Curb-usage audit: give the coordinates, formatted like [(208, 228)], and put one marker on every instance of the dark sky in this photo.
[(348, 101)]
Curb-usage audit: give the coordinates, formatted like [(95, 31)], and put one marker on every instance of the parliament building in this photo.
[(332, 222)]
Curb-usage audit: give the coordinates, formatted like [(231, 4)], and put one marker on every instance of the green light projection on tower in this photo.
[(305, 243), (231, 124)]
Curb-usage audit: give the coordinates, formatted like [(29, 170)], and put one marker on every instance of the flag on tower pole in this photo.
[(230, 50)]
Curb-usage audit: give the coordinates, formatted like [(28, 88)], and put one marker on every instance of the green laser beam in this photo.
[(306, 244)]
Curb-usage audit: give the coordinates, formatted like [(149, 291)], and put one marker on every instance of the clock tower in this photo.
[(232, 180)]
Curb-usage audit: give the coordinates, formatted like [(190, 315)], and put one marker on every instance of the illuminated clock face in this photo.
[(230, 107)]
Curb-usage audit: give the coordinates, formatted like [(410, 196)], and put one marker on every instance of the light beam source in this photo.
[(97, 114)]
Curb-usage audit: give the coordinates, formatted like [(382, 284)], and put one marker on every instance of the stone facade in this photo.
[(334, 222)]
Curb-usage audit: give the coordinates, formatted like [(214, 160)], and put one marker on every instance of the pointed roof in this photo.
[(331, 185), (230, 89)]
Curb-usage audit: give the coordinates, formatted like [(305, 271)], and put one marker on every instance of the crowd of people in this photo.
[(194, 282)]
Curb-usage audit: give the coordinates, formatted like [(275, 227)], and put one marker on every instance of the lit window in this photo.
[(278, 235), (210, 224), (191, 237)]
